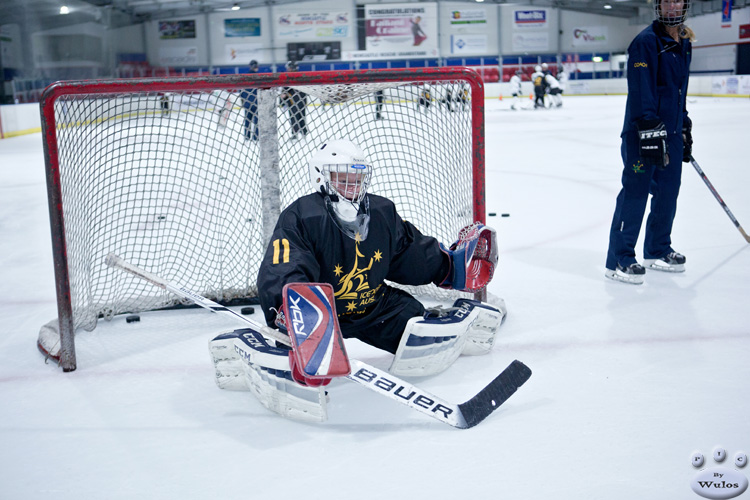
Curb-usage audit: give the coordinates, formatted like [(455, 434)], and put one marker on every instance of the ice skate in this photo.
[(634, 274), (673, 262)]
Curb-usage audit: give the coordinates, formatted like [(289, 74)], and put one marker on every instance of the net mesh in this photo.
[(171, 181)]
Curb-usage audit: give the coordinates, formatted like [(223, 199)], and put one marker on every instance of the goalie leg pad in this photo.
[(228, 371), (430, 344), (269, 378), (485, 321)]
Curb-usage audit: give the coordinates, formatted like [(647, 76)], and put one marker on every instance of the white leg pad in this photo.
[(431, 344), (228, 371), (484, 327), (428, 347), (269, 378)]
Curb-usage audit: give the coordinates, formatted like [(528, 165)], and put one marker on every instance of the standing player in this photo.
[(379, 98), (562, 77), (515, 88), (353, 240), (656, 136), (296, 102), (554, 90), (537, 78), (425, 100), (250, 103)]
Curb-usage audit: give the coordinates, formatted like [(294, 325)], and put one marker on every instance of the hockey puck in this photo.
[(247, 310), (505, 215), (492, 214), (133, 318)]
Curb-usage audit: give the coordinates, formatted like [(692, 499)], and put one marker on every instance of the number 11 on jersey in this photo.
[(276, 250)]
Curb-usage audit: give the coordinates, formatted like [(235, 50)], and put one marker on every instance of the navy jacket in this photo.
[(657, 81)]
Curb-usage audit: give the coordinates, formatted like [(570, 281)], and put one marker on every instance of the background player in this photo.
[(515, 88), (250, 103), (296, 103)]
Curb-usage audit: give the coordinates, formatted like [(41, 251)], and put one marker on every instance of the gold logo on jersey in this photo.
[(354, 284), (638, 167), (640, 65)]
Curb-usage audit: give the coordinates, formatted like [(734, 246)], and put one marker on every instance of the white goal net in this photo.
[(185, 177)]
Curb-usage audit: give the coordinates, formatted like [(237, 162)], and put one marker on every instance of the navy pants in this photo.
[(639, 179)]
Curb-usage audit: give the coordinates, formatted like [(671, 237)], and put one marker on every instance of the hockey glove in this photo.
[(473, 258), (653, 142), (687, 139)]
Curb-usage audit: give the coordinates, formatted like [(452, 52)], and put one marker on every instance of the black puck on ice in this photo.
[(133, 318), (247, 310), (492, 214), (505, 215)]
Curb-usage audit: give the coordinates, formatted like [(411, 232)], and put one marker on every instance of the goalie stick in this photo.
[(718, 198), (463, 416)]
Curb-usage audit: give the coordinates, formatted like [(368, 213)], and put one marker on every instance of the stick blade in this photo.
[(495, 394)]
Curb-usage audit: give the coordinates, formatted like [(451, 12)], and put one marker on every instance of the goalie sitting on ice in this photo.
[(349, 240)]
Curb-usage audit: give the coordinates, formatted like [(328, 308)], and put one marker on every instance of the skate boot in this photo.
[(673, 262), (633, 274)]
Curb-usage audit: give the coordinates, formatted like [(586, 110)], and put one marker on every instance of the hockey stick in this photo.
[(718, 198), (462, 416)]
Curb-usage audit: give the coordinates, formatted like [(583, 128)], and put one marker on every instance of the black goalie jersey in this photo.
[(308, 247)]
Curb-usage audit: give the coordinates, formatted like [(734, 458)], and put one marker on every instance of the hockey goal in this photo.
[(170, 175)]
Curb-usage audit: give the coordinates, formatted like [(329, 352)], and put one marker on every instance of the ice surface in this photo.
[(628, 381)]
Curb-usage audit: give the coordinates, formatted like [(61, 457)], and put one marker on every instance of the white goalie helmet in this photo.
[(340, 170)]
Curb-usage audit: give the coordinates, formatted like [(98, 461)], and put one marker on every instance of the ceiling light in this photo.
[(607, 6), (235, 7), (64, 10)]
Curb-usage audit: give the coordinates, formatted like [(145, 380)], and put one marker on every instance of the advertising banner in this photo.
[(590, 36), (170, 30), (462, 17), (242, 27), (530, 18), (401, 30), (726, 13), (468, 44), (242, 53), (531, 42), (313, 25), (178, 56)]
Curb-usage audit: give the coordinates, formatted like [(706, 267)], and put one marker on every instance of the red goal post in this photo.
[(165, 173)]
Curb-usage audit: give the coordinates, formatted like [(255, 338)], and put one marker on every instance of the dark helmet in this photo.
[(253, 65), (671, 20), (292, 66)]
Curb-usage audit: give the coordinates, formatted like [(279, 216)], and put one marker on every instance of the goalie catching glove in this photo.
[(473, 258)]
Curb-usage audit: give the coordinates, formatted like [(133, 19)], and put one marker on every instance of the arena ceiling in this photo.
[(45, 14)]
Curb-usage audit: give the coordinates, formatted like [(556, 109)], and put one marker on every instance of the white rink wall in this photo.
[(20, 119)]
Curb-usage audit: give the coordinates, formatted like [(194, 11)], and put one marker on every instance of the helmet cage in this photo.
[(347, 180), (671, 20)]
